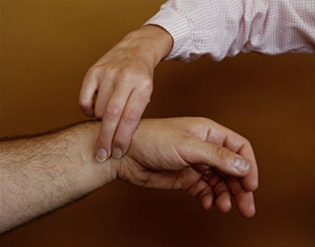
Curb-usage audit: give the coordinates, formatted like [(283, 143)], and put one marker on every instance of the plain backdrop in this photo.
[(46, 48)]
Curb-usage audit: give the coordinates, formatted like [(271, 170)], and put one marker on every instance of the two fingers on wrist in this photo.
[(119, 105), (120, 119), (110, 112)]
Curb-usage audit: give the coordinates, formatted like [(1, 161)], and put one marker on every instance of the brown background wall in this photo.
[(47, 46)]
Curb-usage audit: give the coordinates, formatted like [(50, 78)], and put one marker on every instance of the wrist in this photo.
[(152, 42), (96, 174)]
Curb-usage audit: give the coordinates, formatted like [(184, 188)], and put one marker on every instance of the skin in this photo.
[(47, 171), (118, 87), (220, 188)]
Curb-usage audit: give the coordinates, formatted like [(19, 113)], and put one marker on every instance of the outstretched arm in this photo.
[(44, 172)]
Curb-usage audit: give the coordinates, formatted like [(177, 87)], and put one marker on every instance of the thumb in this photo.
[(199, 152)]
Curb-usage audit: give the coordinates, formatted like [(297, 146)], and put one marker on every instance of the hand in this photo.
[(121, 80), (173, 153)]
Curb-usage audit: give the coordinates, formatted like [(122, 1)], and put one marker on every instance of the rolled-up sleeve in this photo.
[(221, 28)]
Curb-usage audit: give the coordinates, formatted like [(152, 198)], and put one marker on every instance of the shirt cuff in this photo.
[(178, 27)]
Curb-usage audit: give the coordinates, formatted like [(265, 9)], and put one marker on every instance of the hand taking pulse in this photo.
[(45, 172), (121, 80)]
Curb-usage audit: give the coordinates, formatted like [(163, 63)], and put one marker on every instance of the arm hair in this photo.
[(40, 173)]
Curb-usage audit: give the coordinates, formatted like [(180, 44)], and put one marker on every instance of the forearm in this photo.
[(43, 173), (218, 28)]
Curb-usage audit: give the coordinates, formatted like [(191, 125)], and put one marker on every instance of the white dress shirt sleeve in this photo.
[(221, 28)]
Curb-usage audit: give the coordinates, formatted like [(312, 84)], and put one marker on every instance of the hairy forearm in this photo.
[(43, 173)]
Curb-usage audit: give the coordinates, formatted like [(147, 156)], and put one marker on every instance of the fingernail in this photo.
[(117, 153), (241, 165), (101, 155)]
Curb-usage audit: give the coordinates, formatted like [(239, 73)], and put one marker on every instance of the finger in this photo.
[(251, 181), (203, 192), (130, 118), (238, 144), (212, 179), (196, 151), (244, 200), (87, 92), (111, 118), (104, 94), (221, 190), (187, 179), (174, 180), (223, 197), (203, 170)]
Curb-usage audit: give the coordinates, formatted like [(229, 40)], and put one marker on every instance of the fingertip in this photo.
[(122, 139), (102, 152), (117, 152), (120, 148), (249, 212), (206, 203), (247, 206), (241, 166), (224, 206), (101, 155)]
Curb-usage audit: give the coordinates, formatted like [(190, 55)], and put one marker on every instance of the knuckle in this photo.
[(135, 77), (100, 73), (127, 76), (110, 72), (91, 73), (127, 73), (112, 110), (131, 115), (247, 142), (83, 103), (147, 85), (221, 153)]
